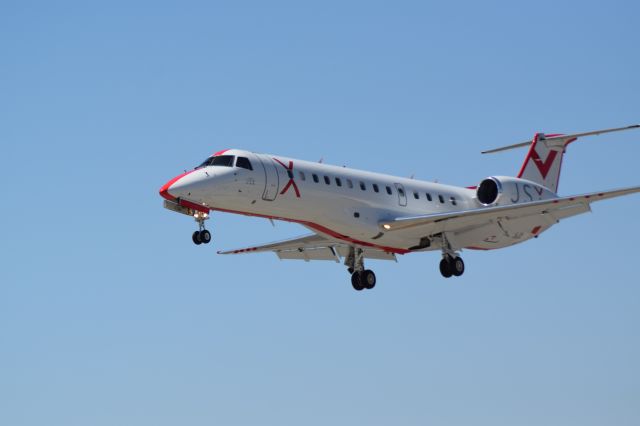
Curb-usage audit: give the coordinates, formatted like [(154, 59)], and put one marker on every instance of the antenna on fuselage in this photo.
[(321, 160)]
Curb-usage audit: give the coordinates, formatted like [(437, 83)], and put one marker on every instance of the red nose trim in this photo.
[(164, 191)]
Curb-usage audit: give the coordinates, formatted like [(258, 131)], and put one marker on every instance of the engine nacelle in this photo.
[(504, 190)]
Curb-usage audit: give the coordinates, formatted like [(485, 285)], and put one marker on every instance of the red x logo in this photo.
[(291, 181)]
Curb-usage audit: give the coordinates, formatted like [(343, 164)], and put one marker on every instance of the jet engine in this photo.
[(504, 190)]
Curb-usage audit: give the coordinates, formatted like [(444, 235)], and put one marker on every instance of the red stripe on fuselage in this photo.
[(193, 206), (164, 191), (321, 229)]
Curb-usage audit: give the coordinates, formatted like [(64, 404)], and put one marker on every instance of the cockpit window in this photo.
[(220, 160), (223, 160), (205, 163), (244, 163)]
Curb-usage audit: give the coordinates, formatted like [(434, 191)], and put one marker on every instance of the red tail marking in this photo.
[(545, 166), (291, 181)]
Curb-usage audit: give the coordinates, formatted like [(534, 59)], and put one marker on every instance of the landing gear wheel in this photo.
[(196, 238), (368, 279), (445, 267), (457, 266), (356, 281), (205, 236)]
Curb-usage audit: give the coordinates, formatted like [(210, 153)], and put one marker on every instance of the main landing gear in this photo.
[(451, 263), (360, 278), (451, 266), (201, 236)]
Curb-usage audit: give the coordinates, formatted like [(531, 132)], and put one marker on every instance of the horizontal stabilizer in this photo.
[(561, 140)]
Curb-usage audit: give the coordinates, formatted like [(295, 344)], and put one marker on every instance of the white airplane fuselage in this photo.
[(350, 205)]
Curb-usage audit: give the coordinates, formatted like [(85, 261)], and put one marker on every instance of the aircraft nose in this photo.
[(172, 186)]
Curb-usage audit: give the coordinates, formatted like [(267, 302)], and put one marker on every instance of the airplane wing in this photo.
[(311, 247), (557, 208)]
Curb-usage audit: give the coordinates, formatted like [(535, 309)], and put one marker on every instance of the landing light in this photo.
[(386, 226)]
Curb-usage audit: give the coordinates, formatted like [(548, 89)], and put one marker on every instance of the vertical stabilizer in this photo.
[(544, 160)]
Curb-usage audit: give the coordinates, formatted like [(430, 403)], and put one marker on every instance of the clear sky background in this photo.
[(109, 315)]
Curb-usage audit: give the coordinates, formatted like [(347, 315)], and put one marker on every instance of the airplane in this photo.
[(356, 215)]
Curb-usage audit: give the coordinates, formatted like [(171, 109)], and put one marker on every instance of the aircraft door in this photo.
[(271, 178), (402, 195)]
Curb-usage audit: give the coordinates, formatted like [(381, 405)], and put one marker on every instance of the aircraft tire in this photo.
[(196, 238), (205, 236), (457, 266), (368, 279), (356, 281), (445, 267)]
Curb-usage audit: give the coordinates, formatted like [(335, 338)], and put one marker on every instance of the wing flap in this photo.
[(369, 253), (565, 212), (319, 253), (311, 247), (305, 241)]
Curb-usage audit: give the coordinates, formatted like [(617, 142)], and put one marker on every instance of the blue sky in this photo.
[(110, 315)]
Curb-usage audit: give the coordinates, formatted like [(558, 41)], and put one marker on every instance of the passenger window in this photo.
[(363, 186), (327, 180), (244, 163), (349, 183), (401, 192), (429, 197), (441, 198), (416, 195), (389, 191), (315, 178), (302, 176), (453, 201), (338, 181), (376, 188)]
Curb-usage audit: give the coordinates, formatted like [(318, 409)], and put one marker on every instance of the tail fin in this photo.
[(544, 160)]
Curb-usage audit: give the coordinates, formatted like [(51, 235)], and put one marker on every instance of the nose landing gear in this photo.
[(201, 236)]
